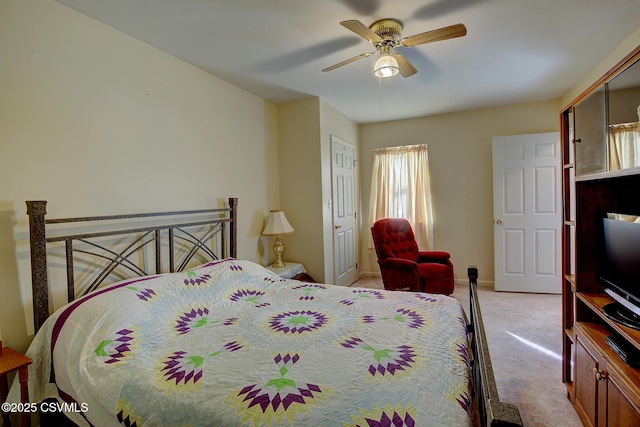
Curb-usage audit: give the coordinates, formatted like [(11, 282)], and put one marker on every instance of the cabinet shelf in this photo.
[(571, 278), (569, 334), (596, 302), (608, 175)]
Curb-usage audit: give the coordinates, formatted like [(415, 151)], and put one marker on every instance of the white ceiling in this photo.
[(514, 51)]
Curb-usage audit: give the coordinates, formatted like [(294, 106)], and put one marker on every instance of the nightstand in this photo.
[(290, 270), (10, 361)]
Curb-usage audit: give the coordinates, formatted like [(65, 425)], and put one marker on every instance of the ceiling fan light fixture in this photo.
[(386, 66)]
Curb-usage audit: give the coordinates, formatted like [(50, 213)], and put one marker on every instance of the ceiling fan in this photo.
[(386, 35)]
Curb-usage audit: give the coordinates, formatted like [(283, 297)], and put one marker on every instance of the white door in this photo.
[(344, 213), (527, 213)]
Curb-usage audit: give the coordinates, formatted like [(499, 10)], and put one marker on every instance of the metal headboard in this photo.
[(218, 224)]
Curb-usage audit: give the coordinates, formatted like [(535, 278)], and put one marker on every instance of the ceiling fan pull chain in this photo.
[(380, 93)]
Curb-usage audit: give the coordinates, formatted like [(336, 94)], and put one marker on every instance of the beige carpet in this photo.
[(525, 339)]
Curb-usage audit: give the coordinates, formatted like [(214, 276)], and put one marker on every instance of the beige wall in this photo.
[(96, 122), (461, 167), (305, 128), (300, 185)]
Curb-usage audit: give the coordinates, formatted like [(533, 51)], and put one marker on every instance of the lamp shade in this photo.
[(277, 224), (386, 66)]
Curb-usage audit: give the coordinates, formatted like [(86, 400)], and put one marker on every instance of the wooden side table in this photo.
[(10, 361)]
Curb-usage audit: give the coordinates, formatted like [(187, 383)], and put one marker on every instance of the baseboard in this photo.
[(482, 284), (369, 275)]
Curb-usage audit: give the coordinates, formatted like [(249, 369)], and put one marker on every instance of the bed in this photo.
[(226, 342)]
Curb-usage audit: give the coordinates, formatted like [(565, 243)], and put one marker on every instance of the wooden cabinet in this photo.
[(604, 393), (604, 390), (586, 383)]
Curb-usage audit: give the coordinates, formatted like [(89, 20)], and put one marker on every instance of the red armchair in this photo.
[(401, 263)]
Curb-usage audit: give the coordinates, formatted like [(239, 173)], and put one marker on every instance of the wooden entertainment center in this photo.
[(604, 390)]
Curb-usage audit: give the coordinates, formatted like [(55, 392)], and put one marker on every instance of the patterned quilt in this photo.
[(232, 344)]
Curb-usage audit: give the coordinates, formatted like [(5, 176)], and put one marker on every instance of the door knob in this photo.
[(599, 374), (338, 226), (498, 221)]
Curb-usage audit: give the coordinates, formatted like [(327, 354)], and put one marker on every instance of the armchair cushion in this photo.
[(434, 256), (403, 266), (399, 263)]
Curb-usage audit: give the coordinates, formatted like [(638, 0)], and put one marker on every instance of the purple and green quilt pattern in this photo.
[(231, 344), (281, 398)]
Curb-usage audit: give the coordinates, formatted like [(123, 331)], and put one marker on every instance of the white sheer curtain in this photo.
[(400, 188), (624, 146)]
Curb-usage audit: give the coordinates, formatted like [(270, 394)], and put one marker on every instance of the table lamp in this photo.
[(277, 224)]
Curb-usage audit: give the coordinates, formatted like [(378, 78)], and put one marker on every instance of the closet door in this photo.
[(344, 212)]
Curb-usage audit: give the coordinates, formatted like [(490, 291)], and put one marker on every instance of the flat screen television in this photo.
[(620, 268)]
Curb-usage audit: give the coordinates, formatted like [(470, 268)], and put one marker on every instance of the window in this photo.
[(400, 188)]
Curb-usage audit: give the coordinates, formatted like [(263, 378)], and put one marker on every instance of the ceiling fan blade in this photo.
[(362, 30), (406, 68), (348, 61), (453, 31)]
